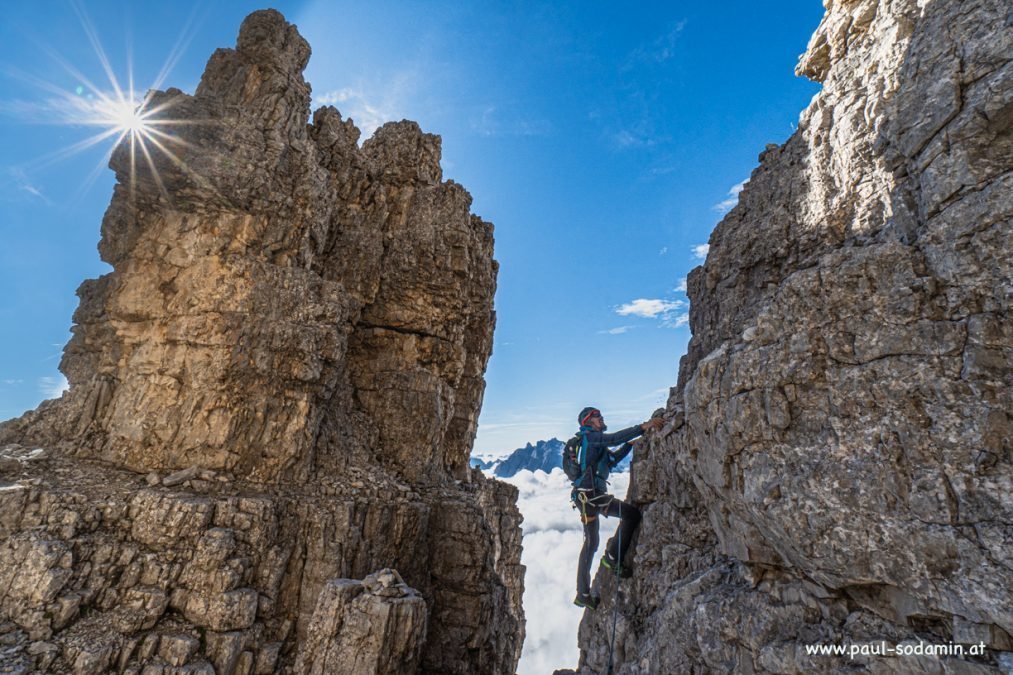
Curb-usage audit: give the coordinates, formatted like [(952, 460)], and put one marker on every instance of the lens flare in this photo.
[(127, 116), (124, 117), (116, 110)]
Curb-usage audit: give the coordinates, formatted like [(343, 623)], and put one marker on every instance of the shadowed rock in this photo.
[(836, 467)]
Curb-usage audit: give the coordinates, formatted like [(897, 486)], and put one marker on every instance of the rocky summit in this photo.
[(542, 456), (836, 466), (262, 462)]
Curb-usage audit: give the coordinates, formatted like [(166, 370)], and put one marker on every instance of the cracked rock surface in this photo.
[(836, 466), (273, 394)]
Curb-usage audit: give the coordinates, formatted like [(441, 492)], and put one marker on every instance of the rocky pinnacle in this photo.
[(273, 395)]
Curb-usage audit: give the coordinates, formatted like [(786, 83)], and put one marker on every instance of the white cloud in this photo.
[(552, 540), (681, 286), (65, 109), (32, 190), (649, 309), (24, 184), (16, 185), (624, 139), (53, 387), (637, 133), (616, 331), (337, 96), (677, 320), (367, 113), (660, 50), (373, 103), (663, 251), (497, 426), (700, 251), (729, 203), (493, 122), (670, 312), (12, 381), (660, 395), (507, 431)]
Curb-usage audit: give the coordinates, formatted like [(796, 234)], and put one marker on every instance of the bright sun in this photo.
[(117, 111), (125, 116)]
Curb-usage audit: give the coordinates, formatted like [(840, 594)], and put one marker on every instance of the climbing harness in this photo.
[(598, 503)]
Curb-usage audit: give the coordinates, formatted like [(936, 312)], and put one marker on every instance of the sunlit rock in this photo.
[(276, 387)]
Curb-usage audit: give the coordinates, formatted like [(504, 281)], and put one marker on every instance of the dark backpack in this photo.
[(571, 458), (582, 479)]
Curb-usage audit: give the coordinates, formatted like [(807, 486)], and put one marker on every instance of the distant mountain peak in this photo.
[(544, 455)]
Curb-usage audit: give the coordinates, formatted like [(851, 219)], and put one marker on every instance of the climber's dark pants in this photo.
[(604, 505)]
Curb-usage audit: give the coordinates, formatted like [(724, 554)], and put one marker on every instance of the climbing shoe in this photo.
[(610, 563), (586, 600)]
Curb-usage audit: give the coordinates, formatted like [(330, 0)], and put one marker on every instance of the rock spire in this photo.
[(273, 396)]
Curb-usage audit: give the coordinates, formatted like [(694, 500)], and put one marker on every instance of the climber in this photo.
[(590, 496)]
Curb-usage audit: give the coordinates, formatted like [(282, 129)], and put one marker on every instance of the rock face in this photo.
[(374, 626), (836, 466), (276, 388)]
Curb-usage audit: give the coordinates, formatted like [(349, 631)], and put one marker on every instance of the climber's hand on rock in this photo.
[(653, 424)]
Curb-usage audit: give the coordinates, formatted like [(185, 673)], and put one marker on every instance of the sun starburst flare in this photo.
[(127, 117), (117, 111)]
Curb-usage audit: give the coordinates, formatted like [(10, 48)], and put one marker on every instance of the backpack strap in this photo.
[(582, 453)]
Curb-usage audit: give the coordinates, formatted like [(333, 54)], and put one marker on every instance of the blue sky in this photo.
[(603, 141)]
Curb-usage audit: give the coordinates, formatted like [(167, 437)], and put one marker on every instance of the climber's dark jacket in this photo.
[(595, 453)]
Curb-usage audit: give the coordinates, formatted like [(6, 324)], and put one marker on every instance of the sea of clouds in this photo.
[(552, 539)]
